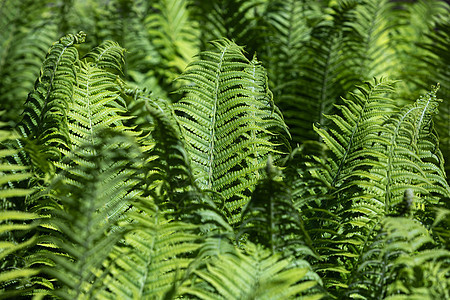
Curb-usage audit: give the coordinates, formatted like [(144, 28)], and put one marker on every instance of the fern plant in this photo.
[(226, 131), (115, 187), (15, 223), (261, 276)]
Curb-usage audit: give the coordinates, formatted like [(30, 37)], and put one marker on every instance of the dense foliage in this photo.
[(224, 149)]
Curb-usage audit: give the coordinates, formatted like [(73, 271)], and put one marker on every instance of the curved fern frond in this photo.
[(97, 101), (350, 130), (411, 149), (45, 114), (389, 265), (313, 198), (169, 179), (84, 228), (253, 274), (154, 259), (108, 56), (223, 124)]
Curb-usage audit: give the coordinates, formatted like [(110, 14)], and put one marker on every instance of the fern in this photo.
[(215, 116), (84, 227), (155, 256), (111, 191), (437, 57), (25, 39), (45, 115), (286, 35), (227, 19), (393, 255), (410, 135), (174, 34), (97, 105), (373, 24), (168, 175), (15, 224), (253, 274), (270, 219)]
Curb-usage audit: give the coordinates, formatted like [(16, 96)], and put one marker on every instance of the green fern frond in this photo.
[(270, 219), (97, 102), (44, 119), (371, 47), (412, 151), (125, 22), (324, 74), (285, 32), (84, 229), (389, 153), (441, 227), (109, 56), (169, 179), (154, 258), (434, 66), (174, 33), (223, 125), (253, 274), (390, 264), (350, 131), (15, 224), (230, 19), (24, 41)]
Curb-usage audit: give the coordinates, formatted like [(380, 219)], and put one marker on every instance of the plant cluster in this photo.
[(225, 149)]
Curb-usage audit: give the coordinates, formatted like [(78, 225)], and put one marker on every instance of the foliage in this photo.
[(224, 149)]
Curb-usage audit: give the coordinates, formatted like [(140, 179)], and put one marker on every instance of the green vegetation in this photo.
[(224, 149)]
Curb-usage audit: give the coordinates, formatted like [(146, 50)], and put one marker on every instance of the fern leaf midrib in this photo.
[(392, 144), (212, 130), (422, 115)]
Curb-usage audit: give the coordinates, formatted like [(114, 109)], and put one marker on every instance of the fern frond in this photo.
[(253, 274), (108, 56), (97, 102), (383, 158), (84, 229), (125, 23), (371, 47), (24, 41), (324, 74), (45, 113), (223, 125), (285, 32), (410, 138), (312, 197), (389, 265), (270, 219), (174, 33), (154, 258), (230, 19), (169, 179), (437, 60), (350, 131), (15, 224)]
